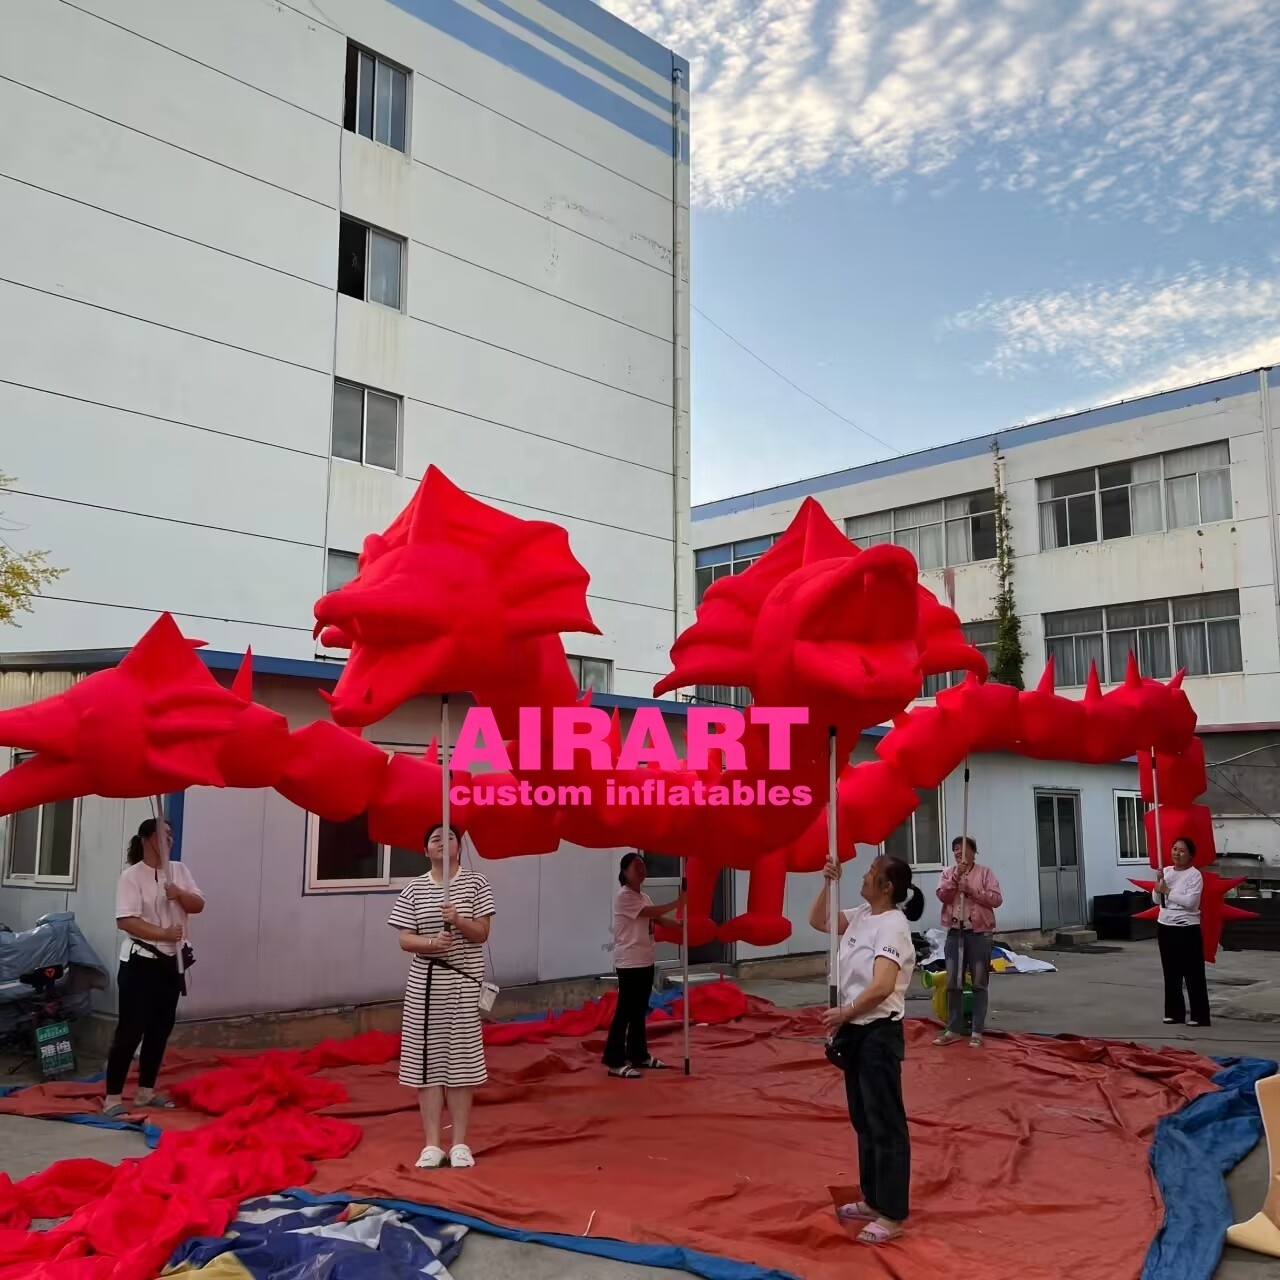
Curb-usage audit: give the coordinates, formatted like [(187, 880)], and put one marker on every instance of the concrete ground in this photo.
[(1117, 996)]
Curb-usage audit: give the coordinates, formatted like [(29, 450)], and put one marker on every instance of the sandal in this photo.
[(652, 1064), (159, 1102), (975, 1042), (878, 1232), (948, 1037), (116, 1110), (461, 1158), (431, 1158), (860, 1211), (624, 1073)]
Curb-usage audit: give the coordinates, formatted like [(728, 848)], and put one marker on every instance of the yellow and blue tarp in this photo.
[(283, 1236)]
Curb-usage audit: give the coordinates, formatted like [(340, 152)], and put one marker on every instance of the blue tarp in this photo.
[(1194, 1150)]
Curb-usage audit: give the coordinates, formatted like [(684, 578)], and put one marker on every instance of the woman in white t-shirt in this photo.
[(626, 1052), (876, 960), (1181, 942), (151, 911)]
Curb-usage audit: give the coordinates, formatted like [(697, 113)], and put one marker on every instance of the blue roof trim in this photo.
[(477, 32), (613, 31), (1033, 433)]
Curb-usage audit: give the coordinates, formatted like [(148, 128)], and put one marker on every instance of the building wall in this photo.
[(1237, 553), (170, 328)]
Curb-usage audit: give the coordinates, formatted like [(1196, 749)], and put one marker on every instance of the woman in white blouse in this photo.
[(1181, 941)]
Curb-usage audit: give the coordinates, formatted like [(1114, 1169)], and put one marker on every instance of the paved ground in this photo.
[(1114, 995)]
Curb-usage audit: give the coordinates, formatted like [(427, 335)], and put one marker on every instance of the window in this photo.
[(951, 531), (1199, 633), (370, 264), (340, 568), (711, 564), (918, 841), (592, 673), (366, 426), (1124, 499), (376, 105), (1206, 632), (1131, 831), (341, 855), (43, 841), (982, 635)]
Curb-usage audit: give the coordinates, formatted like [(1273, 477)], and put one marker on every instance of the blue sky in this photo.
[(945, 217)]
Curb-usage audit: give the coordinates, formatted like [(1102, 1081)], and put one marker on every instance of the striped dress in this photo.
[(440, 1039)]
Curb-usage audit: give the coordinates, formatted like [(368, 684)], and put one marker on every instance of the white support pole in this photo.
[(684, 955), (964, 825), (444, 789), (1155, 799), (833, 890), (162, 837)]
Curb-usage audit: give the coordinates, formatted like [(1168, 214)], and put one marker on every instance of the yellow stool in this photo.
[(937, 983), (1261, 1234)]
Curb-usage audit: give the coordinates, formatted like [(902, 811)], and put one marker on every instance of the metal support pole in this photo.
[(444, 788), (684, 956), (833, 889)]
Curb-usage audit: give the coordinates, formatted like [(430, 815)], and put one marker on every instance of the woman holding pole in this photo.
[(1181, 942), (969, 894), (876, 960)]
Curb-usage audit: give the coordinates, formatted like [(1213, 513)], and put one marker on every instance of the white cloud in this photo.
[(1157, 107), (1146, 333)]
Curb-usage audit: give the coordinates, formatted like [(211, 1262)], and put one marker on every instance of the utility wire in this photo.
[(795, 386)]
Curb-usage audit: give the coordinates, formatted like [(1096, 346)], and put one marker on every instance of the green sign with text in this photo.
[(54, 1048)]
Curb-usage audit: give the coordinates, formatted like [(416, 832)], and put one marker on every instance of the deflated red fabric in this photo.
[(712, 1004), (217, 1092)]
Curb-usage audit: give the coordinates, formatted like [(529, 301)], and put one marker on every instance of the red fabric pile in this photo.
[(709, 1005)]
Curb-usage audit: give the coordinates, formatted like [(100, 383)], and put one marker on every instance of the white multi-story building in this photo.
[(1150, 526), (262, 264)]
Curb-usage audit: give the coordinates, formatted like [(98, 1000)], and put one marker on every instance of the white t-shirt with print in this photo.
[(633, 942), (140, 892), (868, 937)]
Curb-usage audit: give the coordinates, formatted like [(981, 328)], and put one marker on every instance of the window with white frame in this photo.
[(592, 673), (340, 568), (1200, 634), (982, 635), (941, 534), (710, 565), (918, 842), (366, 426), (42, 845), (341, 855), (376, 100), (370, 264), (1125, 499), (1131, 831)]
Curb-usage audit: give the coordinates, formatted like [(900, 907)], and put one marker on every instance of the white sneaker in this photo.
[(431, 1158), (461, 1158)]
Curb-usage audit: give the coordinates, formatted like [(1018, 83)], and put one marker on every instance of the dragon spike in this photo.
[(242, 685), (900, 720), (1176, 682), (1093, 687), (1046, 678), (327, 696), (1132, 676)]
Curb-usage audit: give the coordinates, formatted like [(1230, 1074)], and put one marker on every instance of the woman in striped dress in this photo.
[(441, 1045)]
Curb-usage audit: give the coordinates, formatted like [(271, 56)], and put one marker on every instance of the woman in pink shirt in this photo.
[(634, 917), (969, 895)]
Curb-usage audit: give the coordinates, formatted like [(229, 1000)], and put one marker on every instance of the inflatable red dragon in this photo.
[(458, 598)]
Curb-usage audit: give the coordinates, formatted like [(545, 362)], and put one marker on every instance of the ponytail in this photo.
[(145, 832), (905, 894)]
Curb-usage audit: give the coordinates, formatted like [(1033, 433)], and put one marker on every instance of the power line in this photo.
[(795, 386)]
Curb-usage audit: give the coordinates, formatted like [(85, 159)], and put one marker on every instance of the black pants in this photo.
[(873, 1085), (149, 990), (627, 1041), (1182, 959)]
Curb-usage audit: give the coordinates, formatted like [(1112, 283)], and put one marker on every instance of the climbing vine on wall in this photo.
[(1009, 655)]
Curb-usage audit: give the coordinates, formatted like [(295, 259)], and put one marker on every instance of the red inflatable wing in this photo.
[(157, 722)]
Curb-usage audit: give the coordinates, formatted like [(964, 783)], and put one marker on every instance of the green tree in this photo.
[(22, 574), (1009, 655)]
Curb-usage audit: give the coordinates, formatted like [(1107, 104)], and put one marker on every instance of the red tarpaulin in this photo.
[(1029, 1156)]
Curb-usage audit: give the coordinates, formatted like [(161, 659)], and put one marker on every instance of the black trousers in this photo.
[(873, 1085), (149, 990), (1182, 959), (627, 1041)]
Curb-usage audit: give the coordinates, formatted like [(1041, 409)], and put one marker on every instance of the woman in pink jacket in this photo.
[(969, 895)]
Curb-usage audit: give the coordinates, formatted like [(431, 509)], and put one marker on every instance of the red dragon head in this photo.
[(454, 597)]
